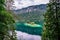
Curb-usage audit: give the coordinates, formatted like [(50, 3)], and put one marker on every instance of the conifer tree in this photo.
[(7, 29), (51, 29)]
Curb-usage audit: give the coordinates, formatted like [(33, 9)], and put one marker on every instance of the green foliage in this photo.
[(2, 1), (34, 16), (6, 23), (52, 20)]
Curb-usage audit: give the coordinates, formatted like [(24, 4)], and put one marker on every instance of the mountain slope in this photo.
[(31, 13), (31, 8)]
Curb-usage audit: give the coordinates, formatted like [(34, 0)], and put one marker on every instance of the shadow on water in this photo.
[(35, 30)]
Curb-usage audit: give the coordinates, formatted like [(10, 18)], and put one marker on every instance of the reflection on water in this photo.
[(25, 36)]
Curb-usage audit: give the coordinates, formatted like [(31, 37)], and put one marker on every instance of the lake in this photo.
[(26, 36), (34, 29), (27, 31)]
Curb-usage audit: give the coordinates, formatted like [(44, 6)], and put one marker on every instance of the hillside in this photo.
[(31, 13)]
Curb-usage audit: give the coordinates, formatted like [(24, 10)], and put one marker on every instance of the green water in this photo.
[(34, 29)]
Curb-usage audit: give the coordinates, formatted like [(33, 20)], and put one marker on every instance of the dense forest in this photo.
[(6, 23), (51, 29)]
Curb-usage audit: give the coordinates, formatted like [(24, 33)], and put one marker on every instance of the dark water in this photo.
[(29, 29)]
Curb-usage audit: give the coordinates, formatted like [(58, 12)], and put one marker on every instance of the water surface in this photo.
[(26, 36)]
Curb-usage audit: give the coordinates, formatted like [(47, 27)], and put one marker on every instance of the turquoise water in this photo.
[(34, 29)]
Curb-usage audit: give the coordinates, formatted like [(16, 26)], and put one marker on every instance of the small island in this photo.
[(32, 24)]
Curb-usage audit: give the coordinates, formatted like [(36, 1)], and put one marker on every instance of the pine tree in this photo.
[(51, 28), (6, 24)]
